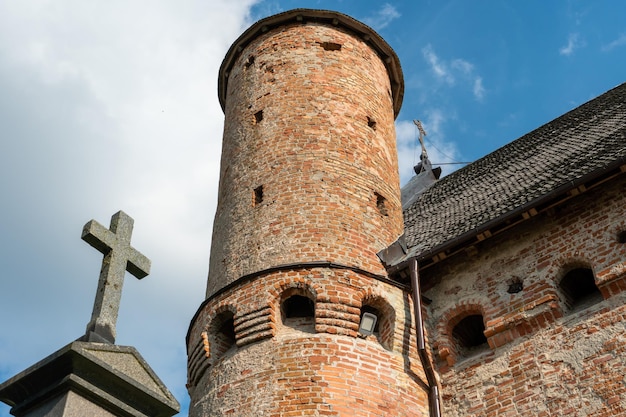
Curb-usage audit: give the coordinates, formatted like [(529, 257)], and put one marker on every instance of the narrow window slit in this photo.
[(621, 238), (371, 123), (249, 62), (381, 204), (258, 116), (257, 197), (330, 46)]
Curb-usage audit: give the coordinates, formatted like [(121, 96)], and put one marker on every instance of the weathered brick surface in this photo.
[(324, 369), (542, 360), (308, 174), (323, 151)]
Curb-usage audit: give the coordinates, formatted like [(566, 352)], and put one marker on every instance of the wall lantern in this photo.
[(368, 324)]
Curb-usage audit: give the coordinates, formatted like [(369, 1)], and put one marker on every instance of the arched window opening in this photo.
[(223, 334), (298, 311), (469, 335), (381, 328), (298, 306), (579, 288)]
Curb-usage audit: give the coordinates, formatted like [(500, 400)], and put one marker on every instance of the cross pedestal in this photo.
[(93, 376)]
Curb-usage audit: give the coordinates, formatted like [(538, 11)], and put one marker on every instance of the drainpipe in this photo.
[(433, 389)]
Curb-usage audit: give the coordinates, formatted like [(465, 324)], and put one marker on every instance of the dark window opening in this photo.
[(515, 286), (371, 123), (249, 62), (381, 204), (621, 237), (224, 334), (469, 333), (298, 312), (298, 306), (258, 116), (257, 195), (331, 46), (579, 288)]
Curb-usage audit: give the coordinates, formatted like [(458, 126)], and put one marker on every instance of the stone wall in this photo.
[(543, 355)]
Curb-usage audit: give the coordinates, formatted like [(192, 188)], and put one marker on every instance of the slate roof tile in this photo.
[(587, 139)]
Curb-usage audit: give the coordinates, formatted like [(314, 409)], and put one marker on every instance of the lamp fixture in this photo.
[(368, 324)]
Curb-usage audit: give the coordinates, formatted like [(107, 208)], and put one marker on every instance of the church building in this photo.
[(498, 290)]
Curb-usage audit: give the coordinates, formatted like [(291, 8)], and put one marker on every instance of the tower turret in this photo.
[(309, 193)]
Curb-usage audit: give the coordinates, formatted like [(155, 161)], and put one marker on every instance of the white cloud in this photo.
[(439, 148), (619, 42), (439, 68), (479, 90), (108, 106), (573, 43), (383, 17), (465, 67), (449, 72)]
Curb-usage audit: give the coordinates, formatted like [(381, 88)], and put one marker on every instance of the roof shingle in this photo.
[(586, 140)]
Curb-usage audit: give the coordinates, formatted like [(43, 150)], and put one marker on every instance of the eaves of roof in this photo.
[(548, 165)]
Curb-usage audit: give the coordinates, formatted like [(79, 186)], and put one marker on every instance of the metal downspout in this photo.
[(433, 394)]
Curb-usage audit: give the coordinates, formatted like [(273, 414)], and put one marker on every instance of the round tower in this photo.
[(309, 193)]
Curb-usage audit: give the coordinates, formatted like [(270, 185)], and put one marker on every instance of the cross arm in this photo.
[(98, 236)]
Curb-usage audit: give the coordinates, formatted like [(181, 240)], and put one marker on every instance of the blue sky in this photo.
[(113, 106)]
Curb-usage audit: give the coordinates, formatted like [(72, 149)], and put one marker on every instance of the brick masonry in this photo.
[(322, 154), (309, 174), (541, 358), (277, 368)]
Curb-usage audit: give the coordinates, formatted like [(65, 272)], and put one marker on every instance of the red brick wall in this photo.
[(308, 173), (278, 369), (541, 359), (323, 150)]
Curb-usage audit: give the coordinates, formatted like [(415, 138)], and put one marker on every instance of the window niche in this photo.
[(381, 204), (383, 330), (222, 332), (297, 310), (469, 335), (249, 62), (258, 117), (257, 196), (330, 46), (579, 289), (371, 123)]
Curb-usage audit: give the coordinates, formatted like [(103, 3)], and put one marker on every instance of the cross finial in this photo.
[(119, 257), (421, 137)]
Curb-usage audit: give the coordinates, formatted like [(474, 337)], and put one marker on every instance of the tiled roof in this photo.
[(589, 139)]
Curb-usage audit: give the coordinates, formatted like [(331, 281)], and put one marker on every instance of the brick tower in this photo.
[(309, 193)]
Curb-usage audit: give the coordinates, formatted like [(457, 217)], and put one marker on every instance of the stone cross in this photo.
[(119, 257)]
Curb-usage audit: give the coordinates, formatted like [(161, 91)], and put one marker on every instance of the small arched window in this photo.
[(579, 289), (297, 310), (384, 323), (469, 335), (223, 334)]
